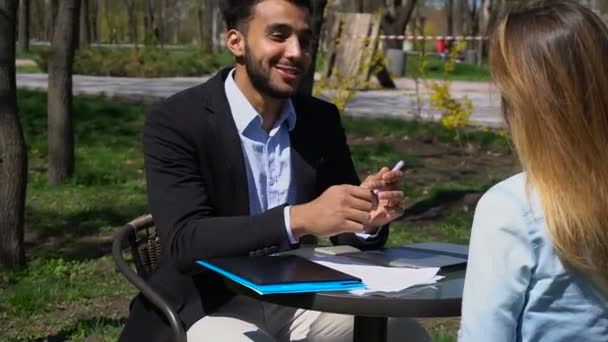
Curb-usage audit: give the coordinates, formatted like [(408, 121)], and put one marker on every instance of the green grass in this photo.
[(462, 72), (71, 291), (486, 139), (30, 69), (108, 186), (31, 54), (72, 224)]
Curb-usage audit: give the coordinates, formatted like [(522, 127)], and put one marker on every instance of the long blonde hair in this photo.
[(549, 60)]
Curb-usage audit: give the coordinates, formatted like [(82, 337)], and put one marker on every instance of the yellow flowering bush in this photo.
[(455, 112)]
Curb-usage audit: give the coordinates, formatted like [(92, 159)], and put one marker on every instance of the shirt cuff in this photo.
[(287, 216), (368, 236)]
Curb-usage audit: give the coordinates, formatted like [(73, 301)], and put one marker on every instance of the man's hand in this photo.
[(385, 184), (341, 208)]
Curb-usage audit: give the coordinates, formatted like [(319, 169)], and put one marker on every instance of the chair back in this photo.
[(142, 237), (145, 245)]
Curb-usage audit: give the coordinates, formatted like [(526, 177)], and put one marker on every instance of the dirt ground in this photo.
[(441, 164)]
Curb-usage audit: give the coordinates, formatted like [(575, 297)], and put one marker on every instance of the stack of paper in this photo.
[(380, 278)]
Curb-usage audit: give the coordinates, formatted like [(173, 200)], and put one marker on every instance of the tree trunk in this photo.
[(217, 27), (317, 23), (450, 17), (205, 25), (370, 6), (94, 16), (482, 28), (151, 31), (24, 25), (60, 129), (132, 18), (85, 25), (51, 16), (37, 27), (160, 31), (13, 154), (459, 15), (396, 22), (201, 23), (110, 23)]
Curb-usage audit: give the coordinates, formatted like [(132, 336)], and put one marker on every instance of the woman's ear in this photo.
[(235, 42)]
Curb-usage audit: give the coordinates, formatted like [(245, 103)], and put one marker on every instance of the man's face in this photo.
[(278, 43)]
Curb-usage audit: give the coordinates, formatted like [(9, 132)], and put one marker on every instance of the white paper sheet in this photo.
[(380, 278)]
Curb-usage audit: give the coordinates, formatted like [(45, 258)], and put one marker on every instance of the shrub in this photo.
[(146, 62)]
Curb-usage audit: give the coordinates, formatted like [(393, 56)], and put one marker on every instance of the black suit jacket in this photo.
[(198, 196)]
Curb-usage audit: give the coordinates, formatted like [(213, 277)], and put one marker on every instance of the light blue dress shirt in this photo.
[(516, 288), (267, 155)]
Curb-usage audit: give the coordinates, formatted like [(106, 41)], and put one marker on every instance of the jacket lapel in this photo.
[(304, 157), (226, 149)]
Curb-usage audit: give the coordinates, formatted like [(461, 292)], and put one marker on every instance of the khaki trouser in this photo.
[(246, 319)]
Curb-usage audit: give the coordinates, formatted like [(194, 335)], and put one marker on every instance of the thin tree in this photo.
[(370, 6), (205, 12), (94, 16), (24, 25), (51, 15), (13, 154), (85, 25), (395, 20), (318, 8), (459, 17), (132, 19), (37, 27), (150, 26), (60, 126)]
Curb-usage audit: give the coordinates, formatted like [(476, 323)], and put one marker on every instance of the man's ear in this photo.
[(235, 42)]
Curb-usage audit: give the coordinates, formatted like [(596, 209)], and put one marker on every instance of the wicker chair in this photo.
[(142, 238)]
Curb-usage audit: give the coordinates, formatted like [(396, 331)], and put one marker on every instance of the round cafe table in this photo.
[(371, 311)]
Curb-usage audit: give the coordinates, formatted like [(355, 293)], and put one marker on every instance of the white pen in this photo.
[(397, 167)]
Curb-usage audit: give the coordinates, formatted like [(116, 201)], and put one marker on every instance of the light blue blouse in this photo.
[(516, 288)]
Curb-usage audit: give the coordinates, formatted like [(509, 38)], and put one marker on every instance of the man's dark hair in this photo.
[(237, 12)]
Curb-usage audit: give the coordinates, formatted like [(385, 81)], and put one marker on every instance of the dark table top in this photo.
[(442, 299)]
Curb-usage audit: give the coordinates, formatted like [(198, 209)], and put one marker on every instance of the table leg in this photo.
[(370, 329)]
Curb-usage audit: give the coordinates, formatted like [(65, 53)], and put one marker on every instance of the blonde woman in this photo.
[(538, 267)]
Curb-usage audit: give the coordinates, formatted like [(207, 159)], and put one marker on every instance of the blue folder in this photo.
[(282, 274)]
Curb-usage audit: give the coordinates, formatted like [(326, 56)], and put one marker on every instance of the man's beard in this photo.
[(261, 80)]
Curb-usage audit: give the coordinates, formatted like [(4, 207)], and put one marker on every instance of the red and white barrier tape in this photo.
[(404, 37)]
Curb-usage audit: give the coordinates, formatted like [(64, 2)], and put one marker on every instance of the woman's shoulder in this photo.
[(512, 204), (515, 194), (513, 187), (509, 194)]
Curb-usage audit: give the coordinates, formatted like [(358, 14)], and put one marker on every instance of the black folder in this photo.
[(419, 255), (281, 274)]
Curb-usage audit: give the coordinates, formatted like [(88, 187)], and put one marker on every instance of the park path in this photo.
[(397, 103)]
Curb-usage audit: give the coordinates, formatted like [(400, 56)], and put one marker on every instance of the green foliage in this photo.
[(455, 112), (31, 54), (144, 62)]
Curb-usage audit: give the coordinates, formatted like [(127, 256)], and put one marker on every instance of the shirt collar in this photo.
[(244, 113)]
